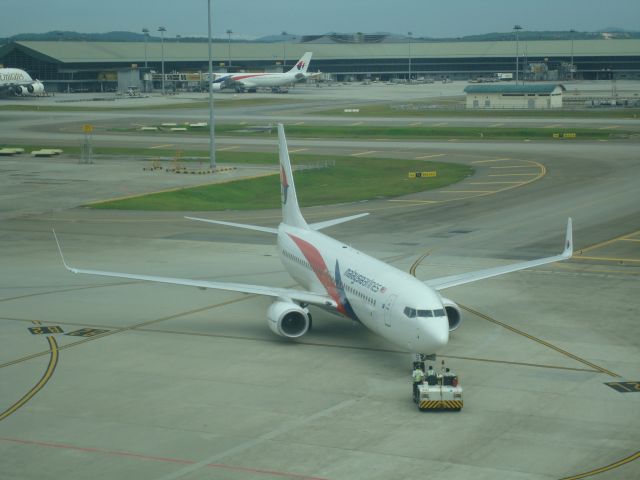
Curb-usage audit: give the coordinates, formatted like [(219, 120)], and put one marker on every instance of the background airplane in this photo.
[(251, 81), (408, 312), (14, 81)]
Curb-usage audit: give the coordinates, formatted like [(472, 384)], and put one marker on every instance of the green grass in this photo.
[(350, 180)]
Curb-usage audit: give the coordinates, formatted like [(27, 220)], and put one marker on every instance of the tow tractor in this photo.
[(439, 390)]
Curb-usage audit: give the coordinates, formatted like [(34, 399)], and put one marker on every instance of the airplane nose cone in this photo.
[(440, 333), (436, 335)]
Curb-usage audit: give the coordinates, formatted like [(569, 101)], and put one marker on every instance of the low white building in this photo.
[(528, 96)]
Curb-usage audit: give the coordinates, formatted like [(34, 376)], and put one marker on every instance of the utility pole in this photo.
[(212, 139), (516, 29), (162, 30), (410, 34), (146, 37), (229, 32), (571, 68), (284, 49)]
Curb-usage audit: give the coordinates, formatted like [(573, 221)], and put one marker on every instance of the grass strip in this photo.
[(350, 180)]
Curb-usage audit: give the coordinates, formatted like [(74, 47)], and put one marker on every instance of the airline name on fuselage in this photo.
[(366, 282), (9, 77)]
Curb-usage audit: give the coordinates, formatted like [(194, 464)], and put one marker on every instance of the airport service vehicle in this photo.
[(440, 391), (334, 276), (251, 81), (14, 81)]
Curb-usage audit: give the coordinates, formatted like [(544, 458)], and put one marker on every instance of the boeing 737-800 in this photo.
[(334, 276), (251, 81), (14, 81)]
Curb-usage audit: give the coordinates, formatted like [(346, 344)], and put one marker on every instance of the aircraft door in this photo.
[(387, 309)]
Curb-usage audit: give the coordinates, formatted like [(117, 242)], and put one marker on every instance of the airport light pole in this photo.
[(284, 49), (146, 38), (229, 32), (162, 30), (516, 29), (212, 138), (572, 31), (410, 34)]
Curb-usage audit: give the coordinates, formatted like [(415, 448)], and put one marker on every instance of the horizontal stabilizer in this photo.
[(238, 225), (337, 221)]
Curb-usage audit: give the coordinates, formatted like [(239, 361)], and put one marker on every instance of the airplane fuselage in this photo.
[(14, 75), (366, 289), (256, 80), (251, 81), (18, 82)]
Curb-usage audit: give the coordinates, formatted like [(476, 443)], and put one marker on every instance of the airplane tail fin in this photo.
[(291, 214), (302, 65)]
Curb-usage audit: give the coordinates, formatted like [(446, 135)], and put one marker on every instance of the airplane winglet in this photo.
[(61, 255), (568, 242)]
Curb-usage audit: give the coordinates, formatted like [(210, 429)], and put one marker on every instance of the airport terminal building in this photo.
[(94, 66)]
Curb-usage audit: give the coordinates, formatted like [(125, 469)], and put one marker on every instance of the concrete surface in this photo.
[(177, 383)]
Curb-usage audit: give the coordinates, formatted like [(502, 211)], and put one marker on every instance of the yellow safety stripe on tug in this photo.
[(432, 404)]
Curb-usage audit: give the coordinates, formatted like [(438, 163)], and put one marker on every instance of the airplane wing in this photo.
[(336, 221), (313, 226), (238, 225), (275, 292), (455, 280)]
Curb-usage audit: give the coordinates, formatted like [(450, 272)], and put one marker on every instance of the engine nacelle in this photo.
[(288, 319), (454, 315), (36, 88), (217, 86)]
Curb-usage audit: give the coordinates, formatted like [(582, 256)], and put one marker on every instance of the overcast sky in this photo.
[(255, 18)]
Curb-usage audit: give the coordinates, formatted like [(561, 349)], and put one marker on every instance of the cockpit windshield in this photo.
[(413, 312)]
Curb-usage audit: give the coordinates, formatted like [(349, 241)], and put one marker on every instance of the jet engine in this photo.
[(454, 315), (217, 86), (31, 89), (288, 319), (36, 88)]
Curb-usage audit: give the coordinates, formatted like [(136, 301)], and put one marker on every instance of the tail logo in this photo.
[(335, 288), (300, 65), (284, 183), (344, 305)]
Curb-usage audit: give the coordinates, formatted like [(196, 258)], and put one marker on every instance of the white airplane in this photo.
[(408, 312), (252, 81), (14, 81)]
